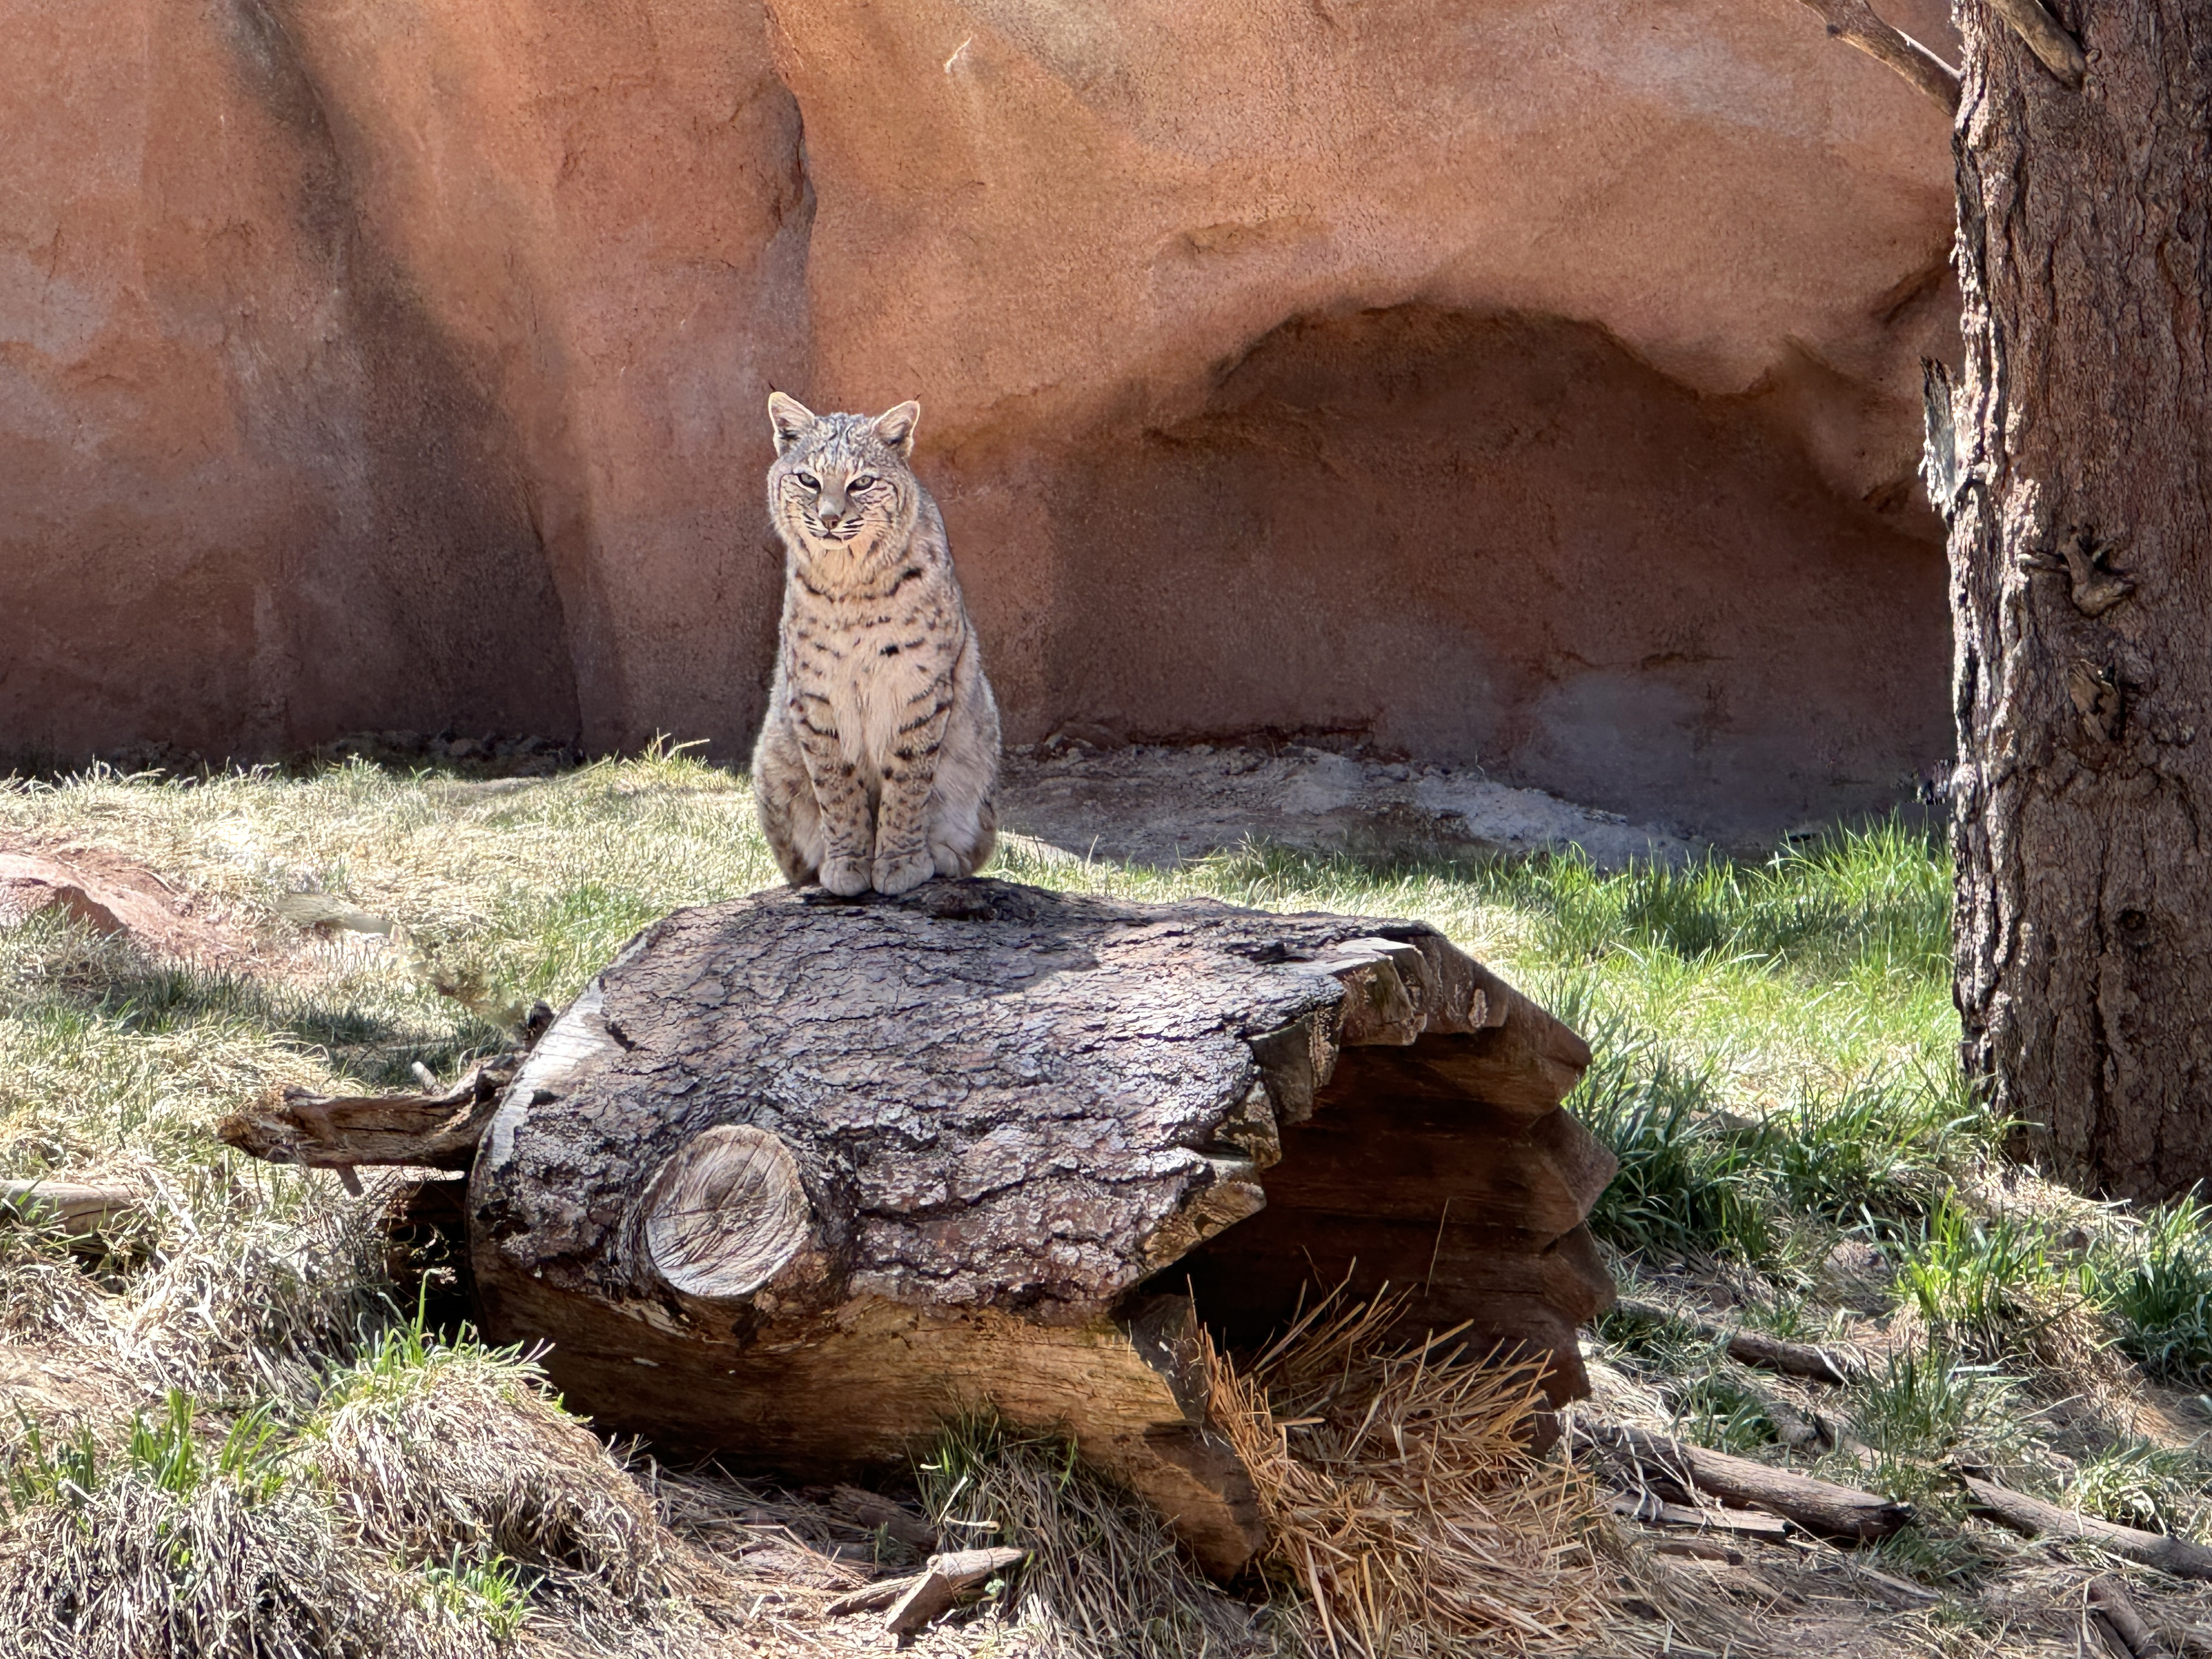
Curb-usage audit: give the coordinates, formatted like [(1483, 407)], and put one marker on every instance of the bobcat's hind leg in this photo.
[(963, 849), (964, 815), (790, 816)]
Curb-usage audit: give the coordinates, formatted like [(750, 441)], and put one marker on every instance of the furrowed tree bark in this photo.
[(2076, 476), (795, 1181)]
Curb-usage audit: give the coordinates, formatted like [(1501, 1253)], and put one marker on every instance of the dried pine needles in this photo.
[(1401, 1499)]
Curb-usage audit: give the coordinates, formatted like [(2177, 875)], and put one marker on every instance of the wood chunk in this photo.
[(872, 1598), (1819, 1506), (2036, 1518), (943, 1582)]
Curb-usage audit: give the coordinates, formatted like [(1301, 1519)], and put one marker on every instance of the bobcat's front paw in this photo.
[(844, 876), (904, 873)]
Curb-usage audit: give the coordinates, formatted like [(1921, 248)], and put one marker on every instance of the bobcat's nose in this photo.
[(831, 521)]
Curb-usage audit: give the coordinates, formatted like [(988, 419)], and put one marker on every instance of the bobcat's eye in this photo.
[(809, 480), (865, 480)]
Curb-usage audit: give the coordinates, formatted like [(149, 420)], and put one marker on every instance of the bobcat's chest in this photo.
[(875, 663)]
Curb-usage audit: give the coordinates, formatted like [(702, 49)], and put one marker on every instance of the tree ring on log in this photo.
[(728, 1215)]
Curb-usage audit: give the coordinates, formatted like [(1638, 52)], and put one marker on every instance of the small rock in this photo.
[(1093, 736)]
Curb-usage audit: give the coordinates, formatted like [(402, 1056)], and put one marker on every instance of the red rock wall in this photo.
[(1532, 382)]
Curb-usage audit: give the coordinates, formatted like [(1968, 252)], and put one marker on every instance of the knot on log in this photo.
[(727, 1219)]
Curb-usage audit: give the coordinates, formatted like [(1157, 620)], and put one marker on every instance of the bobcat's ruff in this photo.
[(878, 760)]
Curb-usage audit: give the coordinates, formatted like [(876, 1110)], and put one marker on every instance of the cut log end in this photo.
[(727, 1216)]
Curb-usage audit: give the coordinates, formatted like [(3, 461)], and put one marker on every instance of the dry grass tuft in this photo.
[(1104, 1579), (134, 1567), (1401, 1498)]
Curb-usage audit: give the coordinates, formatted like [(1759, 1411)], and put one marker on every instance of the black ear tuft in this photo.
[(789, 419), (895, 426)]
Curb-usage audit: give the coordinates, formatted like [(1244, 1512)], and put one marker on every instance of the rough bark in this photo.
[(2082, 587), (794, 1180)]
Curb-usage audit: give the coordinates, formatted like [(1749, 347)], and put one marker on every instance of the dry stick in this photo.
[(1698, 1549), (1857, 23), (2037, 1518), (1757, 1348), (1655, 1511), (875, 1511), (1819, 1506), (946, 1579), (2110, 1601)]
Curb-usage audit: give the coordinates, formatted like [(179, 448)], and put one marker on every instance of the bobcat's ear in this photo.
[(789, 419), (895, 426)]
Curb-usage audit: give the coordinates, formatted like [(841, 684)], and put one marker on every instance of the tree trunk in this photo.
[(2081, 585), (794, 1181)]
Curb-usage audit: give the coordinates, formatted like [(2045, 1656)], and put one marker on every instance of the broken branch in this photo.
[(2109, 1602), (1655, 1511), (1818, 1506), (2036, 1518), (1756, 1347), (2053, 47), (1857, 24), (335, 1132), (945, 1580)]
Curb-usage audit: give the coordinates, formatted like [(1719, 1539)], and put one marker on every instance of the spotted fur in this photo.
[(879, 760)]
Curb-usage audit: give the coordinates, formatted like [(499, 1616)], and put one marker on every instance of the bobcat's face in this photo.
[(842, 480)]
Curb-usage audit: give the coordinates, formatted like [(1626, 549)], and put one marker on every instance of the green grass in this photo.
[(2158, 1285)]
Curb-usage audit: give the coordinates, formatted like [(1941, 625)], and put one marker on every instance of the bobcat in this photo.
[(880, 755)]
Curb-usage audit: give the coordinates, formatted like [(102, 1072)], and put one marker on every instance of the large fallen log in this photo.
[(793, 1180)]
